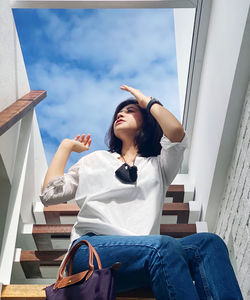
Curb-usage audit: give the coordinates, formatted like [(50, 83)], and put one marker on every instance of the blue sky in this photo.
[(81, 57)]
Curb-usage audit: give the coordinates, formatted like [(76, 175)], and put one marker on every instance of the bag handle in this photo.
[(91, 251), (71, 254)]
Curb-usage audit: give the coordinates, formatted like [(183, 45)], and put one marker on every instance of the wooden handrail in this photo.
[(15, 112)]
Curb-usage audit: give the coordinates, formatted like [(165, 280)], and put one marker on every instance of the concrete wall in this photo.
[(36, 170), (13, 81), (13, 85), (183, 25), (234, 216), (224, 79)]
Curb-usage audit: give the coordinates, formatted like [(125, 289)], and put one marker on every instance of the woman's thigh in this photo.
[(135, 253)]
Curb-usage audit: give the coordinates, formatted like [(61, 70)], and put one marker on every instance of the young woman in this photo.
[(120, 193)]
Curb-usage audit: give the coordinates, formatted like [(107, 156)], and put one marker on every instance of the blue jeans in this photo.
[(190, 268)]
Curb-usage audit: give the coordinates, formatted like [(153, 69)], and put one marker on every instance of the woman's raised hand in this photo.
[(140, 97), (79, 144)]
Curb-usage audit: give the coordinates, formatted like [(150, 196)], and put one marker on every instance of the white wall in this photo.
[(210, 152), (13, 81), (13, 84), (37, 168), (18, 189), (183, 25), (234, 215)]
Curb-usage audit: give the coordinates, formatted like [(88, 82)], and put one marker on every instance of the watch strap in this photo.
[(151, 102)]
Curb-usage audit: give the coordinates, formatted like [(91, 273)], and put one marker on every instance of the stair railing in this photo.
[(22, 109)]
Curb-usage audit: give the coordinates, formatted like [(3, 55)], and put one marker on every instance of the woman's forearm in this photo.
[(59, 162), (170, 126)]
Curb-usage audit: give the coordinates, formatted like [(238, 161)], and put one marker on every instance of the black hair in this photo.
[(147, 139)]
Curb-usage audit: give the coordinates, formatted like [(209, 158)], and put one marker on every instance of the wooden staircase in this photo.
[(49, 239), (39, 248)]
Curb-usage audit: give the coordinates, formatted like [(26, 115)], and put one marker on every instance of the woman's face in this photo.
[(129, 119)]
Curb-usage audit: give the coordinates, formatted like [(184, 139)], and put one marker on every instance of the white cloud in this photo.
[(132, 39), (98, 53)]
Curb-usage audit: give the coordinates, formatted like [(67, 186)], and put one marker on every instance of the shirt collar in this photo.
[(116, 154)]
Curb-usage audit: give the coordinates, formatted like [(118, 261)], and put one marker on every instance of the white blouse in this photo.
[(110, 207)]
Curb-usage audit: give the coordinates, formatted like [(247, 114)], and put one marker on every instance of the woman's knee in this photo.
[(212, 239), (165, 242), (167, 252)]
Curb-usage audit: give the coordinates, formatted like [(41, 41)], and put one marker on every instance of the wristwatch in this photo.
[(151, 102)]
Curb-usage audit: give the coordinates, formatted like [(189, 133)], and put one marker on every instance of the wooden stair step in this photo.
[(54, 212), (33, 263), (180, 212), (49, 237), (37, 292), (177, 230), (56, 236), (23, 292), (176, 191)]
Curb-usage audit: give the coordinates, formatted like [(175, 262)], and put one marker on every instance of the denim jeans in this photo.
[(190, 268)]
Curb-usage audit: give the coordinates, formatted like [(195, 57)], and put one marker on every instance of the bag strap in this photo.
[(92, 249), (71, 254)]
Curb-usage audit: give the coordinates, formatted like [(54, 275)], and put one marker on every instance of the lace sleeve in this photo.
[(61, 188)]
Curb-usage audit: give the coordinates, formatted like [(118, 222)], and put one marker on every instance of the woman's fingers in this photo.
[(83, 140), (130, 89), (125, 87), (86, 139)]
